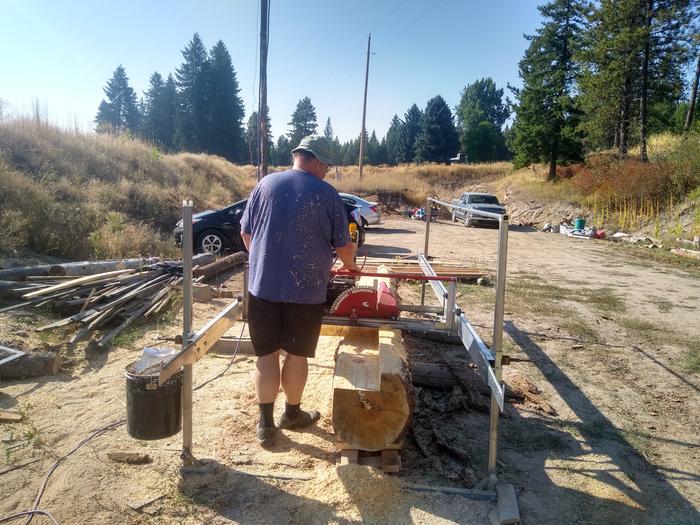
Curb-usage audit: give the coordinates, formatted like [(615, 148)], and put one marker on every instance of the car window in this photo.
[(348, 200), (483, 199)]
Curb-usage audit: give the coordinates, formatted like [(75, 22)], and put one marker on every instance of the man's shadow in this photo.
[(650, 497)]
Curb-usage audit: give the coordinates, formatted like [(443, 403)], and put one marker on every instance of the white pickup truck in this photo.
[(476, 201)]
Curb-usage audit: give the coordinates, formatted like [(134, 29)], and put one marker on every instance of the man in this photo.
[(292, 222)]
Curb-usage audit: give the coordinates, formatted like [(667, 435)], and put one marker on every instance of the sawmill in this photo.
[(372, 393)]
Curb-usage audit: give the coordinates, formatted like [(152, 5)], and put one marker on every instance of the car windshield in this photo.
[(483, 199)]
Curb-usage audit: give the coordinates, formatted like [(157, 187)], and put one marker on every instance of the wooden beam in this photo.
[(203, 340)]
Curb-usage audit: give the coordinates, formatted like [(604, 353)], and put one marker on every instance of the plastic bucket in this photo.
[(152, 411), (579, 224)]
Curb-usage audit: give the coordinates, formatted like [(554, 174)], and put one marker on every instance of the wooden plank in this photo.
[(73, 282), (203, 340), (10, 416), (349, 456), (391, 460), (358, 371), (508, 511)]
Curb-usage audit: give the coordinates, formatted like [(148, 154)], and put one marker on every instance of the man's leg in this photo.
[(267, 384), (267, 377), (294, 374)]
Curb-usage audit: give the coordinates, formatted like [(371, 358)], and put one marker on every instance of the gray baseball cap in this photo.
[(317, 146)]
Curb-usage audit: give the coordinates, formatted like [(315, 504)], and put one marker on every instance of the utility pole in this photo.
[(364, 108), (262, 108)]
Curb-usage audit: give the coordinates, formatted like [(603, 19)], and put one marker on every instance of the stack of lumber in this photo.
[(409, 266), (126, 295)]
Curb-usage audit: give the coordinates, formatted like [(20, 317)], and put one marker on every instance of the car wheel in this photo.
[(454, 216), (467, 221), (211, 241), (364, 222)]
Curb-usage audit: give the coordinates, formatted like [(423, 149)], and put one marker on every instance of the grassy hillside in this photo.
[(100, 196), (663, 194), (80, 196)]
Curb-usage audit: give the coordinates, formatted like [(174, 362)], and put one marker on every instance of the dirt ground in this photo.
[(605, 335)]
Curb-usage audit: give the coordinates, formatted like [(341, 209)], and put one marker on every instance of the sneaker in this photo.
[(304, 419), (266, 435)]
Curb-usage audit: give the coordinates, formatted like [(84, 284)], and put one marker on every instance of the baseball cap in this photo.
[(317, 146)]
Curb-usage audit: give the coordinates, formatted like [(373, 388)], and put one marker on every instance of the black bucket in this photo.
[(152, 411)]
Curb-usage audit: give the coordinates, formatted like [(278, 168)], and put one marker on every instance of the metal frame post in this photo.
[(497, 346), (187, 456), (425, 246)]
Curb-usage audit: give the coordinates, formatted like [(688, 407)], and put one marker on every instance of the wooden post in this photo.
[(262, 109), (364, 108)]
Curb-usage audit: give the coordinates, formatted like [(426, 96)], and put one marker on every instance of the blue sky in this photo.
[(61, 53)]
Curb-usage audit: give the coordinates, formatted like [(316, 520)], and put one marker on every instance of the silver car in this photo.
[(369, 211)]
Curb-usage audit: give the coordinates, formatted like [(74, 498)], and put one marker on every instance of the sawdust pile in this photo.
[(358, 492)]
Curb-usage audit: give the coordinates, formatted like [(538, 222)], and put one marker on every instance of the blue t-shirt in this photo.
[(294, 220)]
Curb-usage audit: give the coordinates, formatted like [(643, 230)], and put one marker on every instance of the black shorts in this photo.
[(290, 326)]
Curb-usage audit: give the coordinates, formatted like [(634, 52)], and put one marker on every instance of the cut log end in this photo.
[(372, 420)]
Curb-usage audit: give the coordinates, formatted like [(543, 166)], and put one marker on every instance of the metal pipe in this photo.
[(186, 330), (497, 346), (425, 247)]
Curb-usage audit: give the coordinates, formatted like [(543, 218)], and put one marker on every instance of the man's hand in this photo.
[(346, 254)]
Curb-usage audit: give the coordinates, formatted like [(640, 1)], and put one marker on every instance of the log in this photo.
[(32, 364), (20, 274), (442, 377), (220, 265), (82, 268), (374, 420)]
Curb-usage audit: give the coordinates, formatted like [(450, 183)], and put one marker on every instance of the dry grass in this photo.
[(415, 182), (87, 195)]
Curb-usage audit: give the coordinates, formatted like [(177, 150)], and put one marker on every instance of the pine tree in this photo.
[(328, 130), (633, 60), (160, 105), (192, 127), (481, 114), (438, 140), (224, 134), (373, 150), (303, 121), (119, 113), (283, 151), (409, 133), (252, 132), (547, 118), (393, 141)]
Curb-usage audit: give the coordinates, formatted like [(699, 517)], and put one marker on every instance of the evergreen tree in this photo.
[(224, 134), (373, 150), (632, 60), (119, 113), (283, 151), (328, 130), (192, 78), (438, 140), (409, 133), (547, 119), (393, 141), (303, 121), (160, 105), (481, 113), (481, 102), (252, 132)]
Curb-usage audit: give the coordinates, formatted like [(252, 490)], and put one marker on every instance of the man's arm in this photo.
[(347, 254), (246, 240)]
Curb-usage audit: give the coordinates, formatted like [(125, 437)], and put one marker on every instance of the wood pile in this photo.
[(125, 295), (100, 294)]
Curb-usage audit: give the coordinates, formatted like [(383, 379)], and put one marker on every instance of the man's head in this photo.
[(313, 155)]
